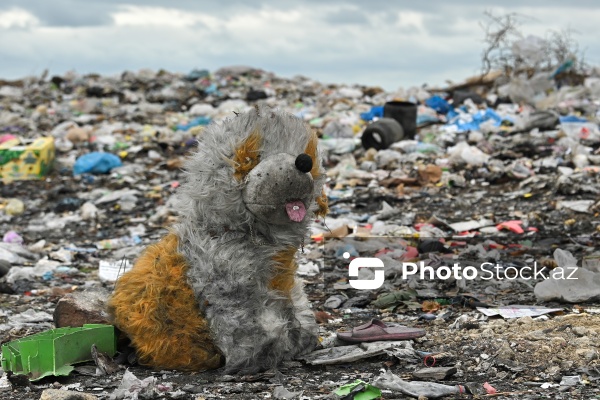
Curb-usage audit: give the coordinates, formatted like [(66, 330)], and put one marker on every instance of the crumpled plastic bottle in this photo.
[(431, 390), (14, 207)]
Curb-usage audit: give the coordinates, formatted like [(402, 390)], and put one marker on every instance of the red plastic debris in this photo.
[(429, 361), (513, 226), (422, 225), (489, 388), (382, 252), (411, 252), (585, 133)]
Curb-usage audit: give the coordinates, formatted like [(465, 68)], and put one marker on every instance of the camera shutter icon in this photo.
[(366, 262)]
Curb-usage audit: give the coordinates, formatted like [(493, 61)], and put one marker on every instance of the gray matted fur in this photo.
[(230, 231)]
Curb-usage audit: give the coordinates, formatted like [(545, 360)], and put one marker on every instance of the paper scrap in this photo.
[(110, 271), (471, 225), (517, 311)]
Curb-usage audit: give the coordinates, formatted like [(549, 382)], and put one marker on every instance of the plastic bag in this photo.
[(96, 163)]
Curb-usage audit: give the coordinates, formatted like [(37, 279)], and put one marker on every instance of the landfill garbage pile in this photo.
[(499, 176)]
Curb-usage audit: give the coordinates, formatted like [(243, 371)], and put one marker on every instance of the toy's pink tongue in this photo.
[(295, 210)]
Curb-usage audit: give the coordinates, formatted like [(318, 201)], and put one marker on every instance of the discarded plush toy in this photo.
[(220, 289)]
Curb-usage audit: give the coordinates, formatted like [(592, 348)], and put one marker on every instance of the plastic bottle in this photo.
[(431, 390), (118, 243)]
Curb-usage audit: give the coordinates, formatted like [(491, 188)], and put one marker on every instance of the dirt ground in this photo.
[(517, 356)]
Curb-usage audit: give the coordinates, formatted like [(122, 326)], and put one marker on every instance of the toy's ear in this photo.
[(247, 156), (311, 150)]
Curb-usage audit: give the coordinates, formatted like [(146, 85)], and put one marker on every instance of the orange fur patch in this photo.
[(247, 155), (323, 205), (285, 271), (311, 150), (155, 306)]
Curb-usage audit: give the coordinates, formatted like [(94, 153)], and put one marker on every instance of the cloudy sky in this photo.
[(375, 42)]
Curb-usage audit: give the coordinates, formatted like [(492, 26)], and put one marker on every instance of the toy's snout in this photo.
[(279, 190)]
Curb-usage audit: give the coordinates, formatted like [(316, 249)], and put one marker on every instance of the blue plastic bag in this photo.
[(571, 118), (96, 163), (438, 104), (194, 122), (376, 111), (473, 122)]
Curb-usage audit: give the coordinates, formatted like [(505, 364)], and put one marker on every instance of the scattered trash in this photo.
[(358, 390), (502, 168), (568, 282), (118, 243), (471, 225), (434, 373), (5, 385), (417, 389), (395, 298), (110, 271), (569, 381), (375, 330), (282, 393), (60, 394), (96, 163), (104, 362), (513, 226), (575, 205), (382, 133), (346, 354), (133, 388), (14, 207), (308, 269), (517, 311), (52, 352), (489, 388), (12, 237), (405, 113), (22, 161)]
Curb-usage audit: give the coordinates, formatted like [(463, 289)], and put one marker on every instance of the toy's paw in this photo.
[(304, 339), (267, 357), (242, 367), (308, 342)]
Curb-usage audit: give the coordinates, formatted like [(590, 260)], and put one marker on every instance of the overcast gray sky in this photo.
[(376, 42)]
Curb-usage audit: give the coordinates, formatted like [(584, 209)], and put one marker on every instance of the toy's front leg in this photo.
[(303, 330), (257, 319), (251, 334), (306, 339)]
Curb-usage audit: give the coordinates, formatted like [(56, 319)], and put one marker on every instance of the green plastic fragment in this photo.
[(394, 298), (359, 390), (53, 352)]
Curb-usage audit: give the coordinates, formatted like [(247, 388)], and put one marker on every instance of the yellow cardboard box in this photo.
[(26, 161)]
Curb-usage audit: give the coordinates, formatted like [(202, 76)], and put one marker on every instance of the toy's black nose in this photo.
[(304, 162)]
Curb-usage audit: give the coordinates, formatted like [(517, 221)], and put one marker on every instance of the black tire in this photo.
[(382, 133)]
